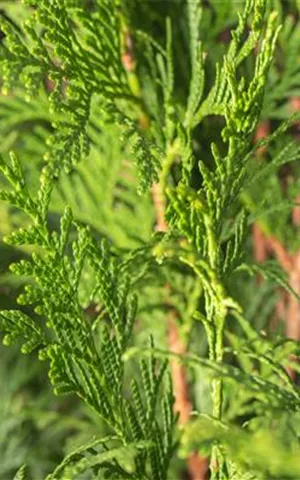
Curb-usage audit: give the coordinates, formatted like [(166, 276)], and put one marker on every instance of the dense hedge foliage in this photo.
[(150, 239)]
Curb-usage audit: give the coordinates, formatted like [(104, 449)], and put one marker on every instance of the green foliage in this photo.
[(97, 110), (77, 364)]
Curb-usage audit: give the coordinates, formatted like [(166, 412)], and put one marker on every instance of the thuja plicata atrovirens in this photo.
[(134, 173)]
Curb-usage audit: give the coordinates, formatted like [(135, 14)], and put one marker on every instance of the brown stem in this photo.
[(182, 403), (293, 317), (197, 465), (293, 308), (160, 208), (295, 104), (288, 306), (296, 213), (259, 244), (263, 130), (282, 255)]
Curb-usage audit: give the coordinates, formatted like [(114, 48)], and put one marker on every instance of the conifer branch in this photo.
[(131, 189), (197, 466)]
